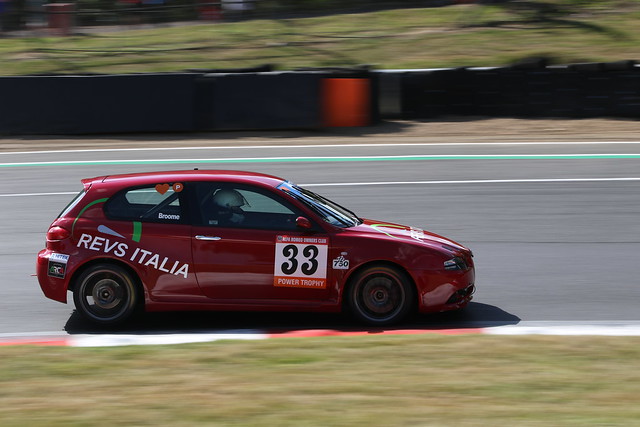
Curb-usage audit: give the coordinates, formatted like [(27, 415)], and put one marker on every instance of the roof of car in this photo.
[(184, 175)]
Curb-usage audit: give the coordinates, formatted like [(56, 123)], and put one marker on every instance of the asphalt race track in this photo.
[(555, 228)]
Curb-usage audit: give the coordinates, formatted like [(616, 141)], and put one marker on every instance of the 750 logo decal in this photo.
[(301, 262), (341, 263)]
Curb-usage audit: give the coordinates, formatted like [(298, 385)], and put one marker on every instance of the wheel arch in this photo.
[(349, 280), (96, 261)]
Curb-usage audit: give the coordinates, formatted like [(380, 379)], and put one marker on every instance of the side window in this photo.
[(257, 202), (238, 206), (157, 203)]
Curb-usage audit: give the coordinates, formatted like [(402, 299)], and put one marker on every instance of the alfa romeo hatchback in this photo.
[(229, 240)]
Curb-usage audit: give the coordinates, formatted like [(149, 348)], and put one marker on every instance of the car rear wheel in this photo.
[(106, 294), (381, 295)]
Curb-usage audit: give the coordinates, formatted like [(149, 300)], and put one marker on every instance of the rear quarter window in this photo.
[(72, 204)]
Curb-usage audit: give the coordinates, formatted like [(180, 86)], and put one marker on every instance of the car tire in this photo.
[(106, 294), (381, 295)]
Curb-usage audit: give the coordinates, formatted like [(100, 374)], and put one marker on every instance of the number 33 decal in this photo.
[(301, 262), (310, 254)]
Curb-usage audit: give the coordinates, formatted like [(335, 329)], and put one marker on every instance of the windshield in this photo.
[(329, 211)]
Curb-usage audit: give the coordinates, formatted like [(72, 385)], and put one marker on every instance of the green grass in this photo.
[(464, 35), (391, 380)]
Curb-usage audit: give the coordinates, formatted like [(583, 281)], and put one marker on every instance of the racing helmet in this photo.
[(229, 199)]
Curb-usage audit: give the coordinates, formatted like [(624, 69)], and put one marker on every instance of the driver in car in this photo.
[(228, 204)]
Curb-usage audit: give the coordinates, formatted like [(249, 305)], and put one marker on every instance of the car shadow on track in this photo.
[(475, 316)]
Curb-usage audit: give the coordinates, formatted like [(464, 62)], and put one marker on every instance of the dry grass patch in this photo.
[(464, 35), (426, 380)]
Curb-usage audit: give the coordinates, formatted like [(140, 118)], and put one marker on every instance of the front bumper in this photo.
[(443, 291)]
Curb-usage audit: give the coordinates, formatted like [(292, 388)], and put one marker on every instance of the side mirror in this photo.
[(303, 223)]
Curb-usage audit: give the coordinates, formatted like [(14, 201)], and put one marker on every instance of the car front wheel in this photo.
[(106, 294), (381, 296)]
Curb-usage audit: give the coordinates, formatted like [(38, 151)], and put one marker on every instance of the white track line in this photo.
[(62, 193), (335, 145), (111, 340), (562, 328), (476, 181), (623, 330), (354, 158)]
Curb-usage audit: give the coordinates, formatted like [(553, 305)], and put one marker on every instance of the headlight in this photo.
[(455, 263)]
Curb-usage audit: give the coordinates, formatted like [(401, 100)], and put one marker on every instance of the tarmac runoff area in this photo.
[(620, 329), (453, 130)]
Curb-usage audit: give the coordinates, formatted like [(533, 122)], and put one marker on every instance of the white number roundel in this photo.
[(301, 262)]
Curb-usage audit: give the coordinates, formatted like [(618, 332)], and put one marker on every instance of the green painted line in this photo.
[(73, 226), (327, 159), (137, 231)]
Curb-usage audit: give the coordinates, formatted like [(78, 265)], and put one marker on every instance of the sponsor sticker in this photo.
[(341, 263), (301, 262), (58, 265)]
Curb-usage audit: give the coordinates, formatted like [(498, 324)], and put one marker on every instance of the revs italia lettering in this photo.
[(101, 244), (141, 256)]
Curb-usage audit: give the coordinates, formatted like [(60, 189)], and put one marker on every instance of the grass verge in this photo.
[(390, 380), (463, 35)]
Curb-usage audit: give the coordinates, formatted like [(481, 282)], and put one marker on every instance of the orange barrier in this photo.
[(346, 102), (60, 18)]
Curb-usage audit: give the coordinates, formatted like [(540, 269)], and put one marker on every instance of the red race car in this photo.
[(229, 240)]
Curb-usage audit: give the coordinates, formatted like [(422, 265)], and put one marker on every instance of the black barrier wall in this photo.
[(97, 104), (288, 100), (186, 102), (573, 91)]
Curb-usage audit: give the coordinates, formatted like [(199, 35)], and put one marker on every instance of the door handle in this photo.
[(201, 237)]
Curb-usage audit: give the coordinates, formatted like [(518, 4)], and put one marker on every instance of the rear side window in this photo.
[(72, 203), (156, 203)]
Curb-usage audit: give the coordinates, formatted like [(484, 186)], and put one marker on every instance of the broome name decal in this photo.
[(139, 255), (301, 262)]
